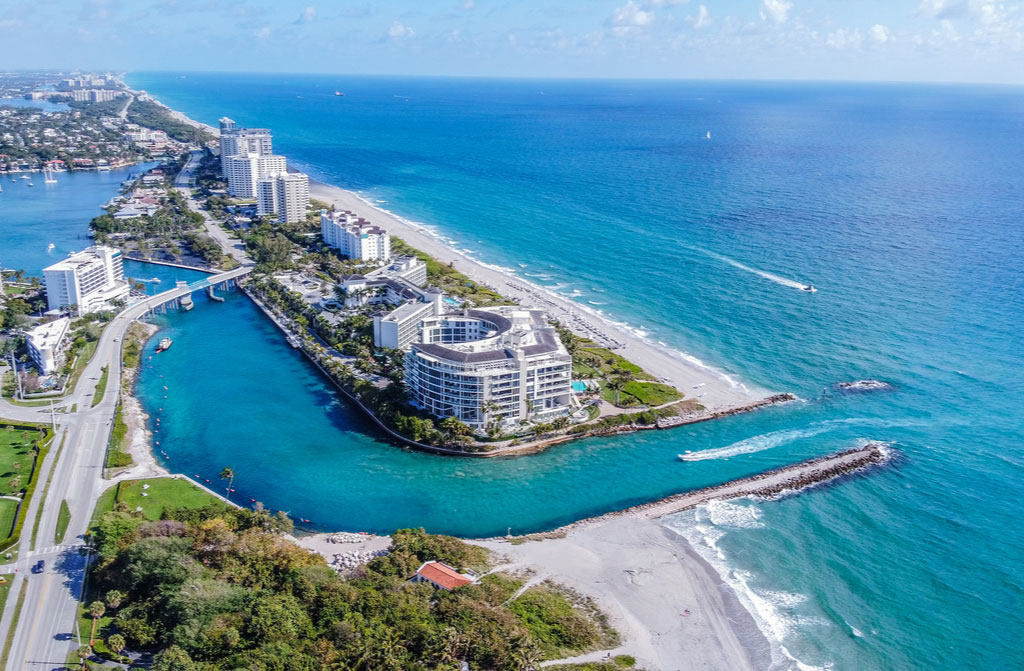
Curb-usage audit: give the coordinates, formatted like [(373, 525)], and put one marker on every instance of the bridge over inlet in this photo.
[(173, 296)]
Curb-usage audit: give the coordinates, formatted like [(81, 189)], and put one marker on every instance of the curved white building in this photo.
[(503, 364)]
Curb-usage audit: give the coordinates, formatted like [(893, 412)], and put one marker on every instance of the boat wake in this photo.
[(778, 279), (775, 439)]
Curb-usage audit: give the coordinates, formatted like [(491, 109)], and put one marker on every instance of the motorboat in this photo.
[(809, 288), (165, 343)]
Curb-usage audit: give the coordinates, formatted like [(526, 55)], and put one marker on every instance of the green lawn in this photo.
[(101, 387), (161, 493), (8, 511), (63, 520), (607, 361), (652, 393), (16, 458)]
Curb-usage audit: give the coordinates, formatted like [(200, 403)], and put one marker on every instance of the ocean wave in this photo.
[(772, 610), (724, 513)]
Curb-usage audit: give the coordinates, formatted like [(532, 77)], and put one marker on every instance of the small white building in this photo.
[(90, 279), (46, 344), (284, 194), (355, 237)]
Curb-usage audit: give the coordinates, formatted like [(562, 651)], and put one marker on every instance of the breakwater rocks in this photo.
[(769, 484), (860, 386), (703, 416)]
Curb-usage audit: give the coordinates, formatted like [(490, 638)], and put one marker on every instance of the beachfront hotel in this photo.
[(90, 279), (506, 358), (284, 194), (245, 170), (354, 237)]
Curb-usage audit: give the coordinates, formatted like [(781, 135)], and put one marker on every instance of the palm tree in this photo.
[(116, 644), (114, 598), (615, 384), (96, 610), (229, 475), (84, 652)]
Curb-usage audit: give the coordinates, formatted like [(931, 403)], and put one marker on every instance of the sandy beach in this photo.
[(670, 607), (713, 390)]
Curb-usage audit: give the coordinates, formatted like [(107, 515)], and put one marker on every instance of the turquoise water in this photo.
[(902, 204)]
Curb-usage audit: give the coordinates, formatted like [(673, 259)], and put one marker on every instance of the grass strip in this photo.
[(46, 489), (14, 626), (101, 387), (63, 520)]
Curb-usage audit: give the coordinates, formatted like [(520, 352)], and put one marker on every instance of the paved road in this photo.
[(44, 636), (184, 182)]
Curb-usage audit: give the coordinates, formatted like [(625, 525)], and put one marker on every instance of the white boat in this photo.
[(708, 136), (809, 288), (24, 176), (165, 343)]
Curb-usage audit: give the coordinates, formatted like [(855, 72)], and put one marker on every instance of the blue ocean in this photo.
[(690, 212)]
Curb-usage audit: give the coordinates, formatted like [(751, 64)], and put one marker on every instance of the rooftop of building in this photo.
[(443, 575), (78, 259), (49, 334), (517, 331)]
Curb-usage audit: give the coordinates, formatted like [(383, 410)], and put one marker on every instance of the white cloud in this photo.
[(845, 39), (263, 33), (399, 30), (467, 5), (703, 18), (631, 15), (940, 9), (880, 33), (775, 10), (307, 16)]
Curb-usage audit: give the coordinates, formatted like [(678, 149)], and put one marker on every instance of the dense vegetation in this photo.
[(158, 117), (444, 276), (219, 588)]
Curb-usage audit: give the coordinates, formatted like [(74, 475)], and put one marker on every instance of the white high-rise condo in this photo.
[(354, 237), (497, 365), (235, 141), (90, 279), (284, 194), (244, 171)]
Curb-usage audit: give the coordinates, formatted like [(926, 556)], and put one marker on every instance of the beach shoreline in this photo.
[(715, 390)]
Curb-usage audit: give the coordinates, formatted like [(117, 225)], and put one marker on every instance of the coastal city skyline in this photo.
[(972, 41), (624, 335)]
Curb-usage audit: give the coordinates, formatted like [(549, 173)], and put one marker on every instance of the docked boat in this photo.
[(187, 302), (165, 343)]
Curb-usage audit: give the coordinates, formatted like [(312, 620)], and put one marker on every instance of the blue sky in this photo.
[(919, 40)]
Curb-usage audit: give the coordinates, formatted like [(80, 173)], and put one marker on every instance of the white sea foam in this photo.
[(771, 609), (725, 513), (778, 279)]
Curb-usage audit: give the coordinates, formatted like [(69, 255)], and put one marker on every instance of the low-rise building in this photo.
[(46, 344), (89, 279), (501, 365), (284, 194), (441, 576), (354, 237)]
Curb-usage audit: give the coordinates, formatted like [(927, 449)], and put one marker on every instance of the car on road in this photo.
[(39, 567), (116, 339)]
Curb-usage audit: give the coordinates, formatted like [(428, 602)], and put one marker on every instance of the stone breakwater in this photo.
[(768, 484), (703, 416)]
